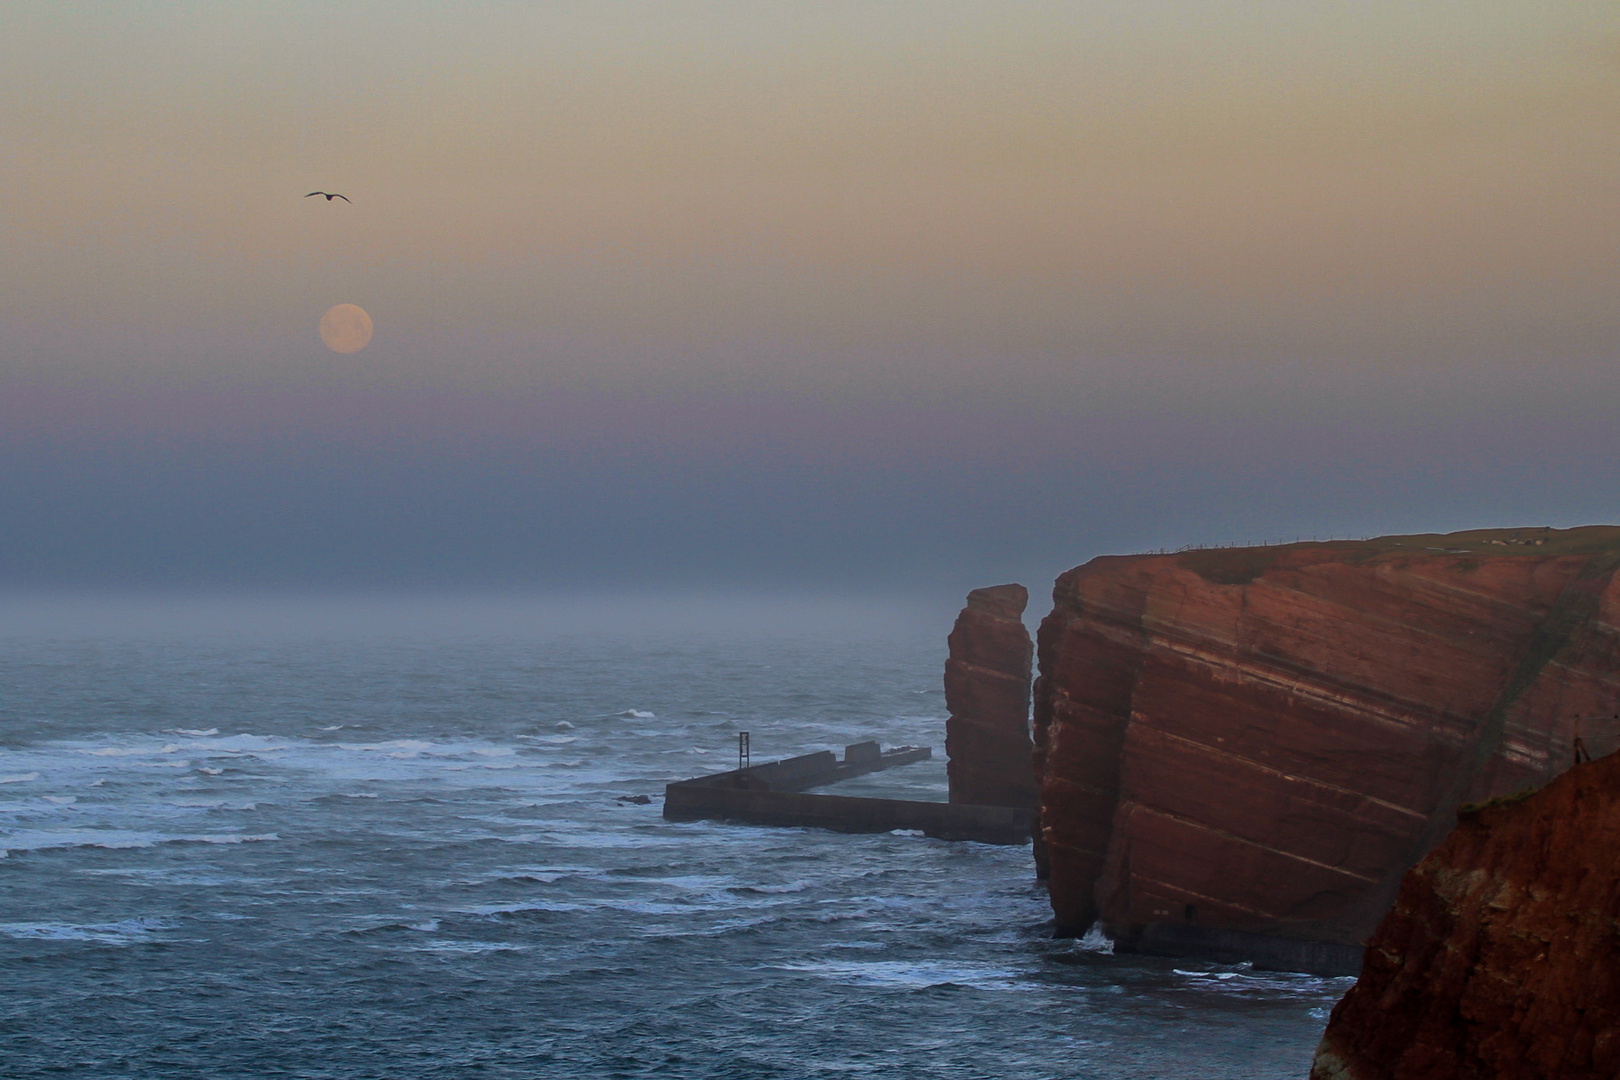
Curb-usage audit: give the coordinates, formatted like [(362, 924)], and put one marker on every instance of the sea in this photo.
[(395, 836)]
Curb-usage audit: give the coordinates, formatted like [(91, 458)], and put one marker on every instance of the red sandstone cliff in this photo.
[(1501, 957), (1265, 739), (987, 693)]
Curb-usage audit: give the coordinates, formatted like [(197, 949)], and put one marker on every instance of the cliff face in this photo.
[(1265, 739), (1501, 956), (987, 692)]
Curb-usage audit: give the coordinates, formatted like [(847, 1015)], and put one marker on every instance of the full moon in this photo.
[(346, 328)]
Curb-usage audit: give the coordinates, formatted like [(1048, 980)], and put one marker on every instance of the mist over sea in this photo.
[(383, 837)]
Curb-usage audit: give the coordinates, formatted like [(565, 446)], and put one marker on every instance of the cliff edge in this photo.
[(1501, 956), (1261, 741)]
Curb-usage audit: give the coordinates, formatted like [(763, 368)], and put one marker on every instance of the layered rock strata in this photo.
[(1501, 956), (1263, 740), (987, 690)]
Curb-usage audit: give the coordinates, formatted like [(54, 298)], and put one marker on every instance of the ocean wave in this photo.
[(389, 746), (914, 975), (394, 926), (1095, 941), (443, 946), (252, 759), (539, 877), (28, 840), (771, 890), (1243, 979), (521, 907), (131, 751), (46, 840), (124, 932)]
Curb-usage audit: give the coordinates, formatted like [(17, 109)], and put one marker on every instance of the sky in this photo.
[(852, 294)]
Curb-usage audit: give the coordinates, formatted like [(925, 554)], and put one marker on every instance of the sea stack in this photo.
[(1247, 746), (1500, 957), (987, 691)]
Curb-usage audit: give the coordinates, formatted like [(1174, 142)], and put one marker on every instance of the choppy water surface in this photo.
[(384, 840)]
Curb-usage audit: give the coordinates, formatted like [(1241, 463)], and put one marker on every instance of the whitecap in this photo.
[(637, 714), (19, 778), (201, 733), (205, 770), (1096, 941), (333, 727), (563, 725), (61, 800)]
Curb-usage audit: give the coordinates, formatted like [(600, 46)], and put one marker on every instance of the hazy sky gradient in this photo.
[(859, 292)]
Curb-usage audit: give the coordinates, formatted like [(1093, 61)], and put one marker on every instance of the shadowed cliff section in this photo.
[(1262, 740), (1500, 956), (987, 692)]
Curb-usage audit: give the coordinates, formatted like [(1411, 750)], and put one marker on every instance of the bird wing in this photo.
[(318, 193), (345, 198)]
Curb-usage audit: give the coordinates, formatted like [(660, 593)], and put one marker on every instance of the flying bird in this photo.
[(329, 195)]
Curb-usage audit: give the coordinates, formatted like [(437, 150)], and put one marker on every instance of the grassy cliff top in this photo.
[(1241, 565)]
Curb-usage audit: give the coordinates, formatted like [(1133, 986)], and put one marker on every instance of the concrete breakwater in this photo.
[(774, 794)]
